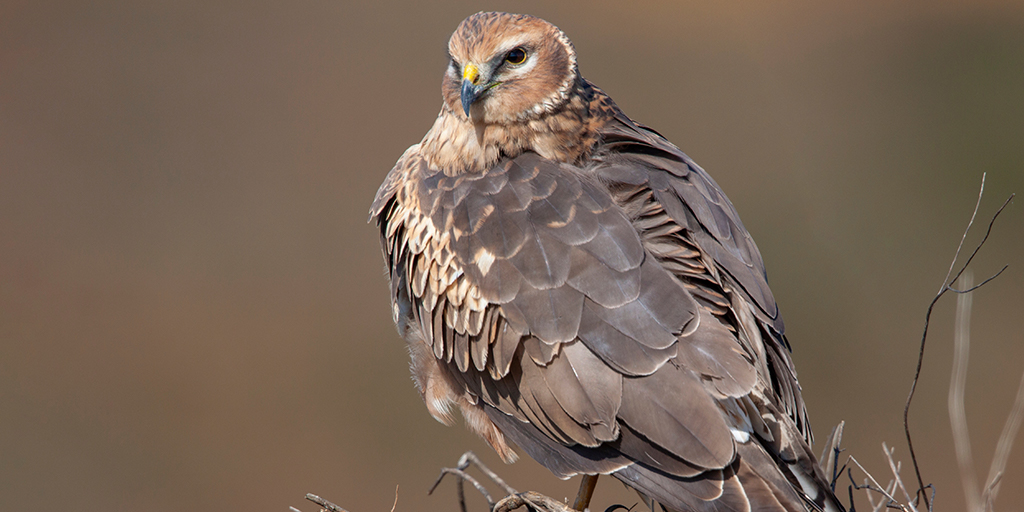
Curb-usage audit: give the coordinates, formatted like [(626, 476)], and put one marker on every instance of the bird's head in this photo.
[(508, 68)]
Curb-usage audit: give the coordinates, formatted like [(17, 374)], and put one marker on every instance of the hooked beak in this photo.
[(472, 87)]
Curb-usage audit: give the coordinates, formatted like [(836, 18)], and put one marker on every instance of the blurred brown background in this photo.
[(193, 312)]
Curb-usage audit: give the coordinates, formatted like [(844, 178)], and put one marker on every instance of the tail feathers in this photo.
[(802, 476), (754, 482), (804, 472), (737, 488), (785, 452)]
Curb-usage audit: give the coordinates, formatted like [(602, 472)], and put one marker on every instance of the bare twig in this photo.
[(459, 471), (949, 279), (617, 506), (894, 467), (326, 505), (462, 476), (886, 494), (470, 459), (331, 507), (536, 501), (871, 484), (513, 499)]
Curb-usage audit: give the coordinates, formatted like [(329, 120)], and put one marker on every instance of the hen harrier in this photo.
[(578, 286)]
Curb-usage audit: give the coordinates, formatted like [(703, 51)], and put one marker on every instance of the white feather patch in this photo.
[(484, 260), (740, 436)]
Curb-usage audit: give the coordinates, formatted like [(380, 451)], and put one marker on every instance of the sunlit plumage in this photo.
[(577, 286)]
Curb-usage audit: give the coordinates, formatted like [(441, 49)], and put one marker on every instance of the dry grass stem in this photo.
[(1002, 455), (957, 387), (872, 485), (897, 481), (977, 499)]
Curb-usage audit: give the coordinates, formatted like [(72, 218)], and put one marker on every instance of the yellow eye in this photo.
[(516, 57)]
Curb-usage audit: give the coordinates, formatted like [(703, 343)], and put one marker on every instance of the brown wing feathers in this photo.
[(694, 231)]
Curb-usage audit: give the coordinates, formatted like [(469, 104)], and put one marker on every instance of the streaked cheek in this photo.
[(524, 94), (450, 91)]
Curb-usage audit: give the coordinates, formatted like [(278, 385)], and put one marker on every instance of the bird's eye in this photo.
[(516, 57)]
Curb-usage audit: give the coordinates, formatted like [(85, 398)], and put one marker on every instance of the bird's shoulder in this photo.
[(634, 158)]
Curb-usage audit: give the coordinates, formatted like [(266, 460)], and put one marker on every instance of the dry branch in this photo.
[(946, 286), (977, 500)]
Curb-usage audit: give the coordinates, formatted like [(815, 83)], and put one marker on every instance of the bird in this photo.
[(576, 286)]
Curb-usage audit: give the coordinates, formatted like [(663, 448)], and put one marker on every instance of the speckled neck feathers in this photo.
[(455, 144)]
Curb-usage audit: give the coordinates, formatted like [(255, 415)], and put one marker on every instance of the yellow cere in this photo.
[(471, 73)]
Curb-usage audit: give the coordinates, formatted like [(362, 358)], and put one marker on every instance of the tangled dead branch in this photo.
[(977, 501)]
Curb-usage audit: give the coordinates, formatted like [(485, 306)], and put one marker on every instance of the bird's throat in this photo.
[(457, 145)]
